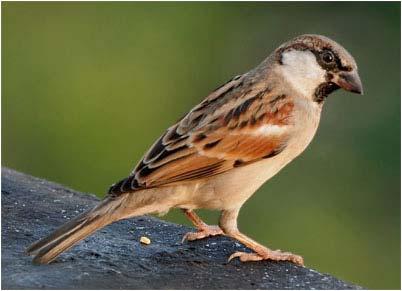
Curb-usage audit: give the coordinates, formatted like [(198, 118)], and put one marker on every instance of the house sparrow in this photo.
[(226, 147)]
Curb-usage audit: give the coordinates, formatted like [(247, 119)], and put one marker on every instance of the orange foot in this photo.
[(206, 231), (269, 255)]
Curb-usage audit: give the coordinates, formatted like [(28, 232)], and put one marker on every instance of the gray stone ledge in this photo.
[(113, 258)]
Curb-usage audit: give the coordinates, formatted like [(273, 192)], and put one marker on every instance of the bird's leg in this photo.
[(228, 223), (203, 230)]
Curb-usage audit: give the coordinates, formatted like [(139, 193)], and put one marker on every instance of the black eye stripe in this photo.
[(334, 66)]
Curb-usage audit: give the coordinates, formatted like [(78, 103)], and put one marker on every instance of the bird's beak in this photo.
[(350, 81)]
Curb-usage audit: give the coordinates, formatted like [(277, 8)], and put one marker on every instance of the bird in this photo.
[(219, 154)]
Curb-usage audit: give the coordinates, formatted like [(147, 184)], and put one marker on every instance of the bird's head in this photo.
[(316, 66)]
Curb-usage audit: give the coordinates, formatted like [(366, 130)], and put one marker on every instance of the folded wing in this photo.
[(231, 128)]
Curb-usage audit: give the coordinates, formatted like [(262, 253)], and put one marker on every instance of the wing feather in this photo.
[(232, 127)]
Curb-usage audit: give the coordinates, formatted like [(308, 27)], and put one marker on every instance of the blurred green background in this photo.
[(88, 87)]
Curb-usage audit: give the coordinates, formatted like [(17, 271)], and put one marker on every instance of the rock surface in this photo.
[(113, 258)]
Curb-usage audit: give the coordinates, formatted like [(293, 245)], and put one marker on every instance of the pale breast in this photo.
[(231, 189)]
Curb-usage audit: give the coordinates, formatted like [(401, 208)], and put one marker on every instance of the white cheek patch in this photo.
[(301, 70)]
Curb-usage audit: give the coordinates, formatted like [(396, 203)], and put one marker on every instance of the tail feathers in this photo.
[(72, 232), (60, 232)]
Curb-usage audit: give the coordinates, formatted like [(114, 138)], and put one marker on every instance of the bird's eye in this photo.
[(327, 57)]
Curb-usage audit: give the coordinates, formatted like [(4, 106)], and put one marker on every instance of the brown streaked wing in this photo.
[(170, 145), (208, 142)]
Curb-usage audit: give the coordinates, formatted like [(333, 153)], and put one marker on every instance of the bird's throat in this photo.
[(323, 90)]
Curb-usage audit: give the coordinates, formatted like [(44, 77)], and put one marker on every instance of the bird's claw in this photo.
[(210, 230), (270, 255)]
